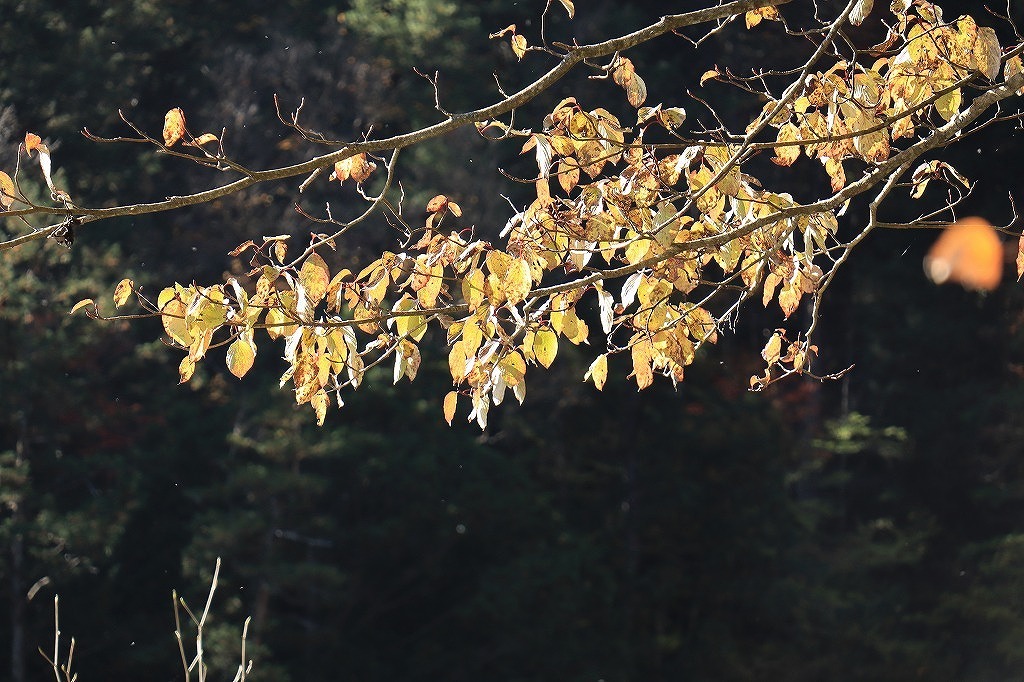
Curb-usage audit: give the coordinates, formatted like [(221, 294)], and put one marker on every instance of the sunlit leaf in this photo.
[(7, 191), (567, 4), (82, 304), (518, 45), (240, 357), (174, 126), (545, 346), (122, 291), (186, 368), (598, 371), (451, 400), (315, 277), (319, 402), (356, 167)]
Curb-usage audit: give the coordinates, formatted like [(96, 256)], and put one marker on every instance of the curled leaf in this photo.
[(32, 141), (82, 304)]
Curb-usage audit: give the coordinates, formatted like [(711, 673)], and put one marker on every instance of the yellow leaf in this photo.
[(319, 403), (513, 368), (450, 402), (786, 155), (473, 289), (545, 346), (518, 45), (641, 354), (172, 315), (457, 361), (174, 126), (433, 281), (186, 368), (315, 278), (81, 304), (710, 74), (240, 357), (567, 4), (413, 326), (205, 138), (773, 349), (7, 190), (122, 291), (987, 53), (949, 104), (1013, 66), (598, 371)]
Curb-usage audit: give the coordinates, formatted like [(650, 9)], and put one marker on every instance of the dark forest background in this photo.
[(864, 529)]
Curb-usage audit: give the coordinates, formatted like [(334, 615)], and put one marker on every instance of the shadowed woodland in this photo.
[(869, 527)]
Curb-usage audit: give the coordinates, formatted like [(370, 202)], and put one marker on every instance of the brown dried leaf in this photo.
[(32, 141), (174, 126)]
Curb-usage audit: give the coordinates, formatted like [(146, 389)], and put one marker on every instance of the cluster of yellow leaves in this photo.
[(675, 223), (853, 111)]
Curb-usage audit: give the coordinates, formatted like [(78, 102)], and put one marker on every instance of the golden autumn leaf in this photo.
[(1020, 258), (315, 277), (205, 138), (968, 252), (82, 304), (122, 291), (710, 74), (319, 403), (451, 400), (598, 371), (518, 45), (545, 346), (240, 357), (7, 191), (174, 126), (186, 368)]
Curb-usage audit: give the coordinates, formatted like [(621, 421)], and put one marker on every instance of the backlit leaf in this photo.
[(319, 403), (186, 368), (174, 126), (122, 291), (32, 141), (545, 346), (567, 4), (240, 357), (518, 45), (356, 167), (315, 277), (7, 191), (598, 371), (81, 304), (451, 399)]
